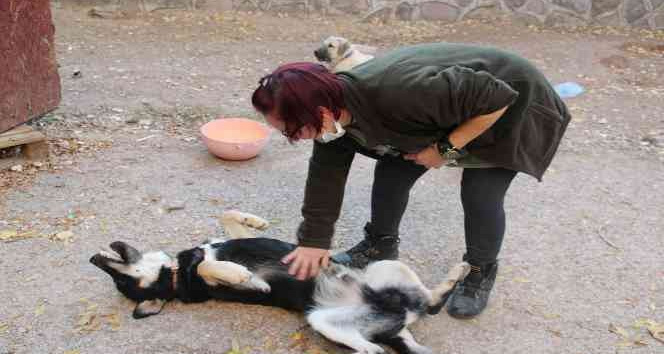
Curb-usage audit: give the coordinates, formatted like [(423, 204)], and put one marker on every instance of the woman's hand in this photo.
[(306, 261), (429, 157)]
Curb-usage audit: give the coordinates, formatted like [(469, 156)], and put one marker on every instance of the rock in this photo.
[(438, 11), (405, 11), (513, 4), (29, 80), (603, 6), (483, 12), (610, 19), (579, 6), (464, 3), (145, 122), (615, 61), (537, 7), (381, 14), (17, 168), (659, 21), (132, 120), (557, 18), (634, 10)]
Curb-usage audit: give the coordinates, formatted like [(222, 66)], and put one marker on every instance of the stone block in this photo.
[(514, 4), (438, 11), (634, 10), (603, 6), (580, 7)]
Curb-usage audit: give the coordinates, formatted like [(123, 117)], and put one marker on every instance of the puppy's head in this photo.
[(143, 277), (332, 50)]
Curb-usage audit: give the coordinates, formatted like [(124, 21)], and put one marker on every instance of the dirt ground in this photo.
[(582, 268)]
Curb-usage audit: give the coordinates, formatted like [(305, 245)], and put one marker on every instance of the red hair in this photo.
[(294, 92)]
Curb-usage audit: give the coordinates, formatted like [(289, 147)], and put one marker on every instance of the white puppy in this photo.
[(340, 55)]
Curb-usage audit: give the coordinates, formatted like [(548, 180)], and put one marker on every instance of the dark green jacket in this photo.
[(412, 97)]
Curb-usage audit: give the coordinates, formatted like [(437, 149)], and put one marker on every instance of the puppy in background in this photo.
[(340, 55)]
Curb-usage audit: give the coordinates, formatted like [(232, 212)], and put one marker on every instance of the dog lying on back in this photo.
[(340, 55), (357, 308)]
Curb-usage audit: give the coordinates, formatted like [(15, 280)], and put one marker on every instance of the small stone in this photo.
[(17, 168), (131, 121), (172, 206), (602, 121), (145, 122), (37, 164)]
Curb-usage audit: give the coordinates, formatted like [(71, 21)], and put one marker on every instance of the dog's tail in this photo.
[(442, 292)]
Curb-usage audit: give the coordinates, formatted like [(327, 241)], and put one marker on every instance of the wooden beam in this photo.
[(11, 138)]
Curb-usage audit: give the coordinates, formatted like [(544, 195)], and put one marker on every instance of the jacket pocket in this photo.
[(540, 139)]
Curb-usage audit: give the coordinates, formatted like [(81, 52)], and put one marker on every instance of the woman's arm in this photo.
[(459, 137), (474, 127)]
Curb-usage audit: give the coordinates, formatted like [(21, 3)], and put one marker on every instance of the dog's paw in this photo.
[(459, 271), (246, 219), (258, 284), (239, 275), (370, 348)]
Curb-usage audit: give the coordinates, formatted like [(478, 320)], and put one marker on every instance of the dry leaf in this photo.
[(73, 351), (12, 235), (8, 234), (627, 340), (655, 329), (64, 236), (521, 280), (40, 310), (618, 330), (313, 349), (113, 319), (297, 336), (4, 327), (88, 321), (555, 332), (235, 348)]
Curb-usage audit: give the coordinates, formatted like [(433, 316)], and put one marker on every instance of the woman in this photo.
[(487, 111)]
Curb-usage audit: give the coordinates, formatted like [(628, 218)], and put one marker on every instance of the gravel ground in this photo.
[(581, 265)]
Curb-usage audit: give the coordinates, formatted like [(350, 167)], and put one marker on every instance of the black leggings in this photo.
[(482, 194)]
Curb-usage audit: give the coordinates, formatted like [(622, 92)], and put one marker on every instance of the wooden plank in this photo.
[(21, 139), (18, 130)]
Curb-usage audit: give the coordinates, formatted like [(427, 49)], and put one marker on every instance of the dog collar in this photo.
[(174, 275), (348, 54)]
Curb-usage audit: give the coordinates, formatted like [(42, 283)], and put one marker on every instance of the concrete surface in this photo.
[(582, 251)]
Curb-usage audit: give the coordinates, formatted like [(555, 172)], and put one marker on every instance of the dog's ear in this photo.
[(344, 46), (129, 254), (148, 308)]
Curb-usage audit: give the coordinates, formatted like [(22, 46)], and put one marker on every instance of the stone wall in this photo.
[(637, 13)]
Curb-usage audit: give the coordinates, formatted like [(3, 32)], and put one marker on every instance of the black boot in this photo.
[(472, 294), (372, 248)]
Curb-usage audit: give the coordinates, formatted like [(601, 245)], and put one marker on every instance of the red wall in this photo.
[(29, 81)]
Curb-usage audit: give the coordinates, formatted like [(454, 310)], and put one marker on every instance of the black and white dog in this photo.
[(354, 307)]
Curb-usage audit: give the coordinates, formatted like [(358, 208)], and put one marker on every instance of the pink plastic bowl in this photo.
[(235, 138)]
